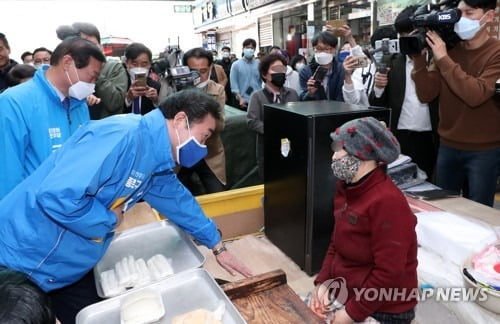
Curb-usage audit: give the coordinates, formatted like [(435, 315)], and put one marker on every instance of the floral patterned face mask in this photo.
[(346, 167)]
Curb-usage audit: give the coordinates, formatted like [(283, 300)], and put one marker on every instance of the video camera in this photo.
[(440, 18), (183, 78), (160, 67)]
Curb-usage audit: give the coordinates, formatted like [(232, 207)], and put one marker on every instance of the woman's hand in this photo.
[(320, 301), (341, 317)]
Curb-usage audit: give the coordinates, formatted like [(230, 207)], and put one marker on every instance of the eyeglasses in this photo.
[(40, 61), (323, 49), (278, 69)]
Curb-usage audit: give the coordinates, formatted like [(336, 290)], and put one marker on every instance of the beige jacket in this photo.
[(221, 75), (216, 159)]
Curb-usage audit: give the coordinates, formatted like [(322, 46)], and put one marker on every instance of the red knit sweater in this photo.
[(374, 245)]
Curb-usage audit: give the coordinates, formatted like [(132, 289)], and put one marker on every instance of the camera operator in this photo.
[(160, 68), (464, 79), (413, 122), (212, 169)]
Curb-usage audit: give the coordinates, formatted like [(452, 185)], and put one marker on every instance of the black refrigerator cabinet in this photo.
[(299, 184)]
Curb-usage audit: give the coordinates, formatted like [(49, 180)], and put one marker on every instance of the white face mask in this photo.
[(203, 84), (467, 28), (248, 52), (225, 54), (323, 58), (80, 90), (299, 66)]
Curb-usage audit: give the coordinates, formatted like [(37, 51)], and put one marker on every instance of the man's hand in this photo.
[(381, 79), (437, 45), (152, 94), (93, 100), (243, 103), (232, 264), (344, 31), (136, 91), (119, 215), (311, 87)]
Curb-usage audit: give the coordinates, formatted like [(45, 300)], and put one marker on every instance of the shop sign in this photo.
[(388, 10), (252, 4)]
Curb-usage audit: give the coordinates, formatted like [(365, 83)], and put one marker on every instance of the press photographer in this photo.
[(464, 80), (413, 122), (440, 18)]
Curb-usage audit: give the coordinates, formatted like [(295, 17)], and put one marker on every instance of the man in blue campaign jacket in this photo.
[(38, 116), (57, 224)]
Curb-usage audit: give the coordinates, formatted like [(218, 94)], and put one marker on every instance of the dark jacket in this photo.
[(226, 65), (335, 83), (3, 75), (146, 104), (394, 93), (111, 87)]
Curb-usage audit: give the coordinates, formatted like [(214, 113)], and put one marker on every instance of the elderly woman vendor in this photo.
[(372, 257)]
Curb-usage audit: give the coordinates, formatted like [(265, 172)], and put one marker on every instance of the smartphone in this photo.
[(319, 75), (362, 62), (140, 79), (336, 23)]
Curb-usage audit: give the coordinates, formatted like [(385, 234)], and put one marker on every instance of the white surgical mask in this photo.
[(248, 52), (467, 28), (80, 90), (323, 58), (299, 66), (137, 70), (225, 54), (203, 84)]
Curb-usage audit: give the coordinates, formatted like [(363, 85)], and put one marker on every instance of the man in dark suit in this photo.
[(142, 94), (412, 122)]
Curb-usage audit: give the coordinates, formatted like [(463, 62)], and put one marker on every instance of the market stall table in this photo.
[(267, 298)]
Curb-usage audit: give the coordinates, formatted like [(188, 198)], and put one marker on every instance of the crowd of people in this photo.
[(68, 180)]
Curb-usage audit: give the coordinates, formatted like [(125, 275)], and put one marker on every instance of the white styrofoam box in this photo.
[(453, 237)]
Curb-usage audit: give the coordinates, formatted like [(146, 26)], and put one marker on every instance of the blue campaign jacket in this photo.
[(33, 124), (57, 224)]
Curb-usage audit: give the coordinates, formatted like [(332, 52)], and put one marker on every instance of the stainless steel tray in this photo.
[(146, 241), (181, 293)]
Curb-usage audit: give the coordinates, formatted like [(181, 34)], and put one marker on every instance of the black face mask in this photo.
[(278, 79)]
